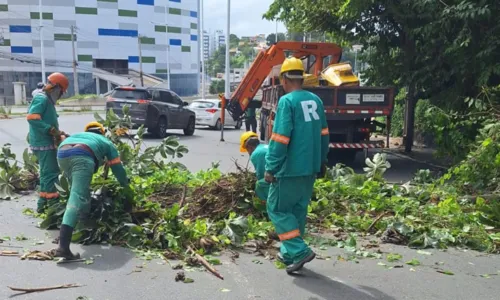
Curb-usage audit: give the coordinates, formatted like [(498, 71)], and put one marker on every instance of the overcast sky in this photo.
[(246, 17)]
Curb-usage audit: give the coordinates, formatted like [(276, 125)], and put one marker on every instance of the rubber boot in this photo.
[(64, 241), (298, 265), (281, 259)]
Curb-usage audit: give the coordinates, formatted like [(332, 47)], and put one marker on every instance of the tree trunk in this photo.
[(409, 126)]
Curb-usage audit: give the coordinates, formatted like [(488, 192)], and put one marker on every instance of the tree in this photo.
[(445, 51), (217, 86), (234, 40), (271, 38), (217, 62)]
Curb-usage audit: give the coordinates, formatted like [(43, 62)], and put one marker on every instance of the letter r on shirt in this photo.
[(310, 108)]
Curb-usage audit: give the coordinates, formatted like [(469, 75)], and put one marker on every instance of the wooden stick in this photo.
[(181, 203), (43, 289), (206, 264), (376, 221), (9, 253)]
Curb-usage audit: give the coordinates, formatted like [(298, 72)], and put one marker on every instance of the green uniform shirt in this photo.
[(299, 143), (103, 148), (42, 116), (250, 112), (258, 159)]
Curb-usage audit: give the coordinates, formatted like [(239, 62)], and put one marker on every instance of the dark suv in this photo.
[(157, 109)]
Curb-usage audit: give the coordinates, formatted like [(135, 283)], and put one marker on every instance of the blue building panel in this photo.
[(133, 59), (21, 49), (194, 37), (20, 28), (177, 1), (175, 42), (117, 32), (193, 14), (146, 2)]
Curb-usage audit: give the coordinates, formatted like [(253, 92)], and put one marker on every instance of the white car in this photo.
[(208, 113)]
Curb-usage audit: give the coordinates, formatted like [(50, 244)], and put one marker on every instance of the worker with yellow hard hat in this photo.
[(297, 152), (44, 136), (79, 157), (249, 142)]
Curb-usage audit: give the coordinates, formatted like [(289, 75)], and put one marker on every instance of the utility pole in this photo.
[(42, 56), (227, 70), (202, 49), (140, 58), (168, 45), (276, 37), (75, 74)]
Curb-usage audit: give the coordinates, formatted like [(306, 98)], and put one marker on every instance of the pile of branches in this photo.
[(176, 210)]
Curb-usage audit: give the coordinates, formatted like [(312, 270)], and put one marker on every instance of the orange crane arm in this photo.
[(273, 56)]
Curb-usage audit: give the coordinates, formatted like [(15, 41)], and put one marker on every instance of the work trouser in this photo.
[(78, 167), (49, 176), (251, 123), (287, 208)]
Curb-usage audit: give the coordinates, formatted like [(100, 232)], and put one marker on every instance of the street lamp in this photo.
[(168, 43)]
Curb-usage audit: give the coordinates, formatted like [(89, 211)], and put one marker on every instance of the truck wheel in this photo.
[(161, 128), (189, 130)]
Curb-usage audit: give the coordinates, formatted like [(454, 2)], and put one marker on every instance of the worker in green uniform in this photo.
[(298, 151), (44, 136), (250, 143), (251, 120), (79, 157)]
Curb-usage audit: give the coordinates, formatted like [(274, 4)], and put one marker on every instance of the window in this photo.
[(176, 99), (166, 97), (202, 104), (156, 95), (131, 94)]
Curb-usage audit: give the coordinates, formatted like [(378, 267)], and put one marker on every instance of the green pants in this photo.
[(49, 176), (287, 208), (79, 170)]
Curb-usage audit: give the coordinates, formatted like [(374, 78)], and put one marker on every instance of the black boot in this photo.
[(297, 266), (64, 241)]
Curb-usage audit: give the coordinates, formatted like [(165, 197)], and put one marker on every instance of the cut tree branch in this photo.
[(205, 263), (43, 289)]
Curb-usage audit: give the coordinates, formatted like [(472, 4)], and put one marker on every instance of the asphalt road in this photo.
[(112, 275)]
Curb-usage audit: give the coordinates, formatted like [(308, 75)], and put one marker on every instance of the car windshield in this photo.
[(130, 94), (202, 104)]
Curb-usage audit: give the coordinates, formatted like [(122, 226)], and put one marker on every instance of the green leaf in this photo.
[(225, 290), (413, 262), (188, 280), (445, 272), (279, 265), (392, 257)]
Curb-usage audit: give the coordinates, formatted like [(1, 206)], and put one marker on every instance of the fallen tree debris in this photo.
[(9, 253), (36, 255), (206, 264), (43, 289)]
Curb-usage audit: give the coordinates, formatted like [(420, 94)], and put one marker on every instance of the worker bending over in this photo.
[(250, 143), (44, 136), (79, 157), (297, 151)]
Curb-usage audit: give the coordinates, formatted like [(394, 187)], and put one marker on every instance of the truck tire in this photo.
[(189, 130)]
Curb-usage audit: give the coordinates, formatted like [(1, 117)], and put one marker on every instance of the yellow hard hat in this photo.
[(92, 126), (292, 64), (244, 137)]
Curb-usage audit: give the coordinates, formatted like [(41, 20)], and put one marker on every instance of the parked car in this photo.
[(155, 108), (208, 113)]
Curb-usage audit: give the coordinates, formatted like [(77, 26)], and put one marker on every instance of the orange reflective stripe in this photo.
[(51, 195), (114, 161), (33, 117), (280, 138), (43, 194), (289, 235), (325, 131)]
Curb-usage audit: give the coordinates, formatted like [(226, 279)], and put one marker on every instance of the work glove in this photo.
[(54, 132), (128, 202), (322, 172), (269, 178)]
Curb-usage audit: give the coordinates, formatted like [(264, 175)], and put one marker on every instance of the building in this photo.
[(107, 35), (219, 39), (207, 51)]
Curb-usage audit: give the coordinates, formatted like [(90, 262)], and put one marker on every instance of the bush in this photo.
[(217, 86)]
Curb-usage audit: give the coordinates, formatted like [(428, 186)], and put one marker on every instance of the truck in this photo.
[(351, 109)]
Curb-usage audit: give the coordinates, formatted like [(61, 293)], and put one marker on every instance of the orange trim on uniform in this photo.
[(51, 195), (114, 161), (33, 117), (289, 235), (325, 131), (280, 138), (42, 194)]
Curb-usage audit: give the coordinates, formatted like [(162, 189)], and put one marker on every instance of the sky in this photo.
[(246, 17)]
